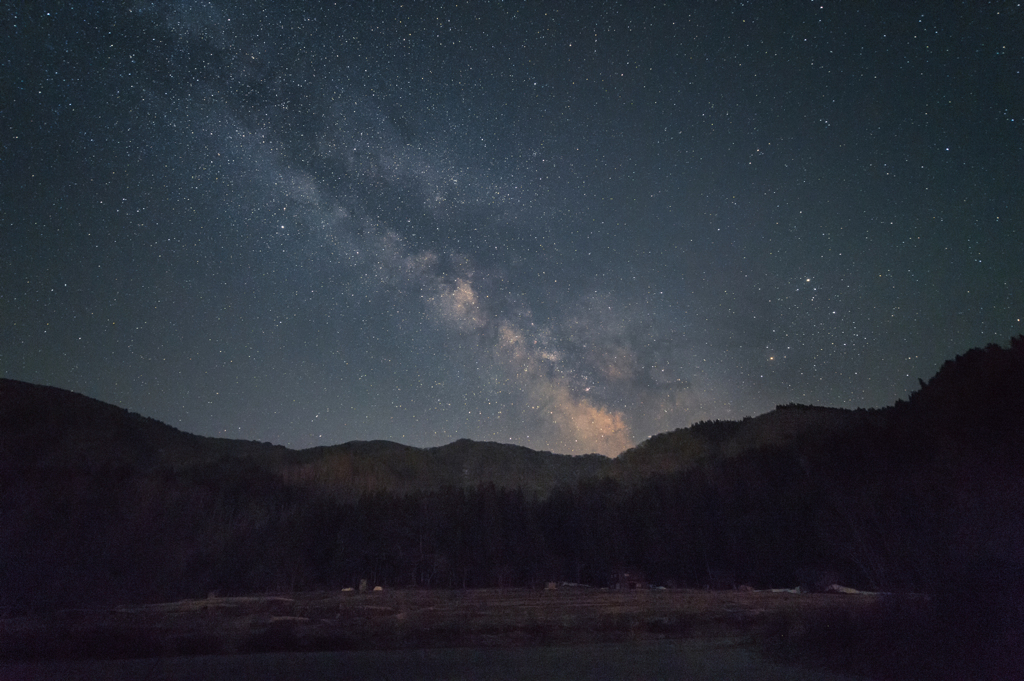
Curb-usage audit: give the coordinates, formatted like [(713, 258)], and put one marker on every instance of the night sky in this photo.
[(563, 225)]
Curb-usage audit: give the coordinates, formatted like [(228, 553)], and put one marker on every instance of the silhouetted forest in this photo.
[(101, 506)]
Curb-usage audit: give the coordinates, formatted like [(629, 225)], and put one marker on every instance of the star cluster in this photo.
[(565, 226)]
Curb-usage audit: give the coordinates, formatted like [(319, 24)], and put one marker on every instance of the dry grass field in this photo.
[(870, 635), (396, 619)]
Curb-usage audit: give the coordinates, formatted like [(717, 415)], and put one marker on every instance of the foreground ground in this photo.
[(406, 619), (872, 635), (701, 659)]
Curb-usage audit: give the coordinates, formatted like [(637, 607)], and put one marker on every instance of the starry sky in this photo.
[(563, 225)]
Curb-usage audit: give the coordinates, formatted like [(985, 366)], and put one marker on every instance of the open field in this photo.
[(409, 619), (869, 635)]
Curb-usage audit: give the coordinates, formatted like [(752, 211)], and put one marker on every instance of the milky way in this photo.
[(564, 227)]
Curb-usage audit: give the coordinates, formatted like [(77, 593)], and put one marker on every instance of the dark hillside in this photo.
[(976, 395), (44, 427), (102, 506), (343, 472), (708, 442)]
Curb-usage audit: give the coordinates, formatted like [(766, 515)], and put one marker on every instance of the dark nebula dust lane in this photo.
[(567, 227)]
